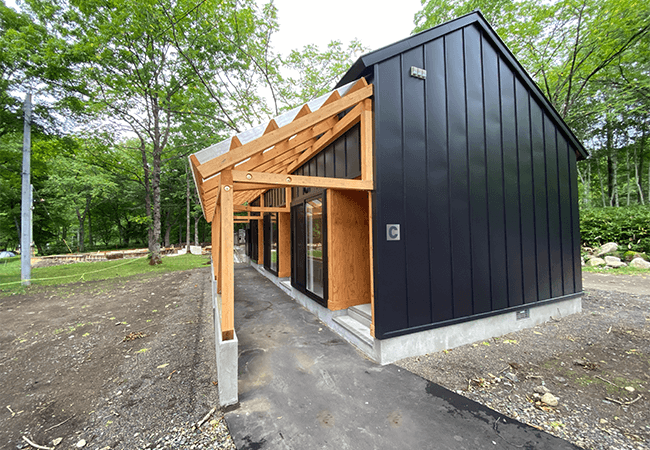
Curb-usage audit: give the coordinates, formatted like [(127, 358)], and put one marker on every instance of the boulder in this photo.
[(593, 262), (541, 390), (607, 248), (640, 263), (613, 261)]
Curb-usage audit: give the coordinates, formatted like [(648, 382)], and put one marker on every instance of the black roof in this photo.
[(363, 65)]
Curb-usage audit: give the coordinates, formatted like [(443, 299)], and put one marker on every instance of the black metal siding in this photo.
[(480, 180)]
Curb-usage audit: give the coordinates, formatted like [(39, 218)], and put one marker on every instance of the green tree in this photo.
[(121, 61)]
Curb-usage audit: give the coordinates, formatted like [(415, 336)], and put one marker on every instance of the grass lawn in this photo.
[(617, 271), (86, 271)]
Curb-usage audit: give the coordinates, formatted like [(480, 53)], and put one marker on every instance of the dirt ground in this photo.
[(113, 363), (596, 363), (118, 363)]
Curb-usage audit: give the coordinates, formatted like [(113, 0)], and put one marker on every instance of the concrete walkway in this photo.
[(302, 387)]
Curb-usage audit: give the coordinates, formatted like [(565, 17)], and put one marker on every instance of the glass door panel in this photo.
[(314, 247)]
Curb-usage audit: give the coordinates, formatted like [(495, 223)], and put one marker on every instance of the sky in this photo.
[(376, 23)]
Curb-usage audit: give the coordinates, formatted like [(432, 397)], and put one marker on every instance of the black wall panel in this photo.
[(390, 260), (481, 182), (540, 202), (440, 275), (495, 195), (415, 230), (458, 175), (477, 176), (526, 192)]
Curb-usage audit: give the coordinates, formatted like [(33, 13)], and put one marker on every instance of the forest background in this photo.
[(126, 89)]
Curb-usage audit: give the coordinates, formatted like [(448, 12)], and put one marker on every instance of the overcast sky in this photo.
[(376, 23)]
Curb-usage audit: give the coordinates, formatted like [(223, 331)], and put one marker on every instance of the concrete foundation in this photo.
[(387, 351), (227, 355)]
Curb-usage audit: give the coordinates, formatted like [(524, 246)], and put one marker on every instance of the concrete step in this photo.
[(361, 313), (356, 328)]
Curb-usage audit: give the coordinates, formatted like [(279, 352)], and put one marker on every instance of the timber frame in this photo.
[(228, 182)]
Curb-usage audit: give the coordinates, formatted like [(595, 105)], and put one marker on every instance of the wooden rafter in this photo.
[(265, 141)]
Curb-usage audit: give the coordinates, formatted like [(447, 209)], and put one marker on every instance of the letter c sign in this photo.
[(392, 232)]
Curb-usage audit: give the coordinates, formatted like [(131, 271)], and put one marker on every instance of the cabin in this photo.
[(430, 200)]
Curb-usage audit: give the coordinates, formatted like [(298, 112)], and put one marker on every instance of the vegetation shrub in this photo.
[(629, 227)]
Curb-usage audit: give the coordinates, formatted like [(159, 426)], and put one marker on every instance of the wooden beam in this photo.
[(300, 180), (251, 187), (367, 169), (371, 258), (341, 127), (234, 156), (227, 261), (288, 144), (272, 126), (261, 209), (235, 142)]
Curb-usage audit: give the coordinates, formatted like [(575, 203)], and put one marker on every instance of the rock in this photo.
[(613, 261), (640, 263), (56, 441), (541, 390), (550, 399), (560, 379), (593, 262), (629, 388), (512, 377), (607, 248), (603, 421), (81, 443)]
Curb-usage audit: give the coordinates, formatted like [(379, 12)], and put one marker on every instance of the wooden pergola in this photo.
[(228, 182)]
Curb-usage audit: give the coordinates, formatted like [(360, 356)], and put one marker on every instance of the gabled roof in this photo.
[(364, 65)]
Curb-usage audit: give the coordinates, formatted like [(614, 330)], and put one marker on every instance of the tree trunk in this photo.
[(627, 167), (168, 227), (612, 168), (196, 230), (602, 184), (154, 242), (187, 209), (90, 227), (80, 234)]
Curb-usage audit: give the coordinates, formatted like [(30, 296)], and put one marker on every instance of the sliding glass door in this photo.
[(271, 242), (314, 250), (309, 263)]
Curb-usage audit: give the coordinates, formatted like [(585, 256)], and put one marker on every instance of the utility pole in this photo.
[(26, 204)]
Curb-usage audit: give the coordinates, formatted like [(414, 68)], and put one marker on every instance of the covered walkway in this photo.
[(302, 387)]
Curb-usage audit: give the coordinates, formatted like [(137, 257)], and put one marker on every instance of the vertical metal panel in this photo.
[(495, 197), (458, 175), (554, 237), (565, 214), (390, 277), (438, 179), (329, 162), (415, 186), (320, 165), (541, 212), (511, 184), (339, 157), (575, 221), (526, 194), (353, 152), (477, 172)]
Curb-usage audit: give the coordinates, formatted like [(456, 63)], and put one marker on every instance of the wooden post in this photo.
[(366, 142), (227, 262)]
